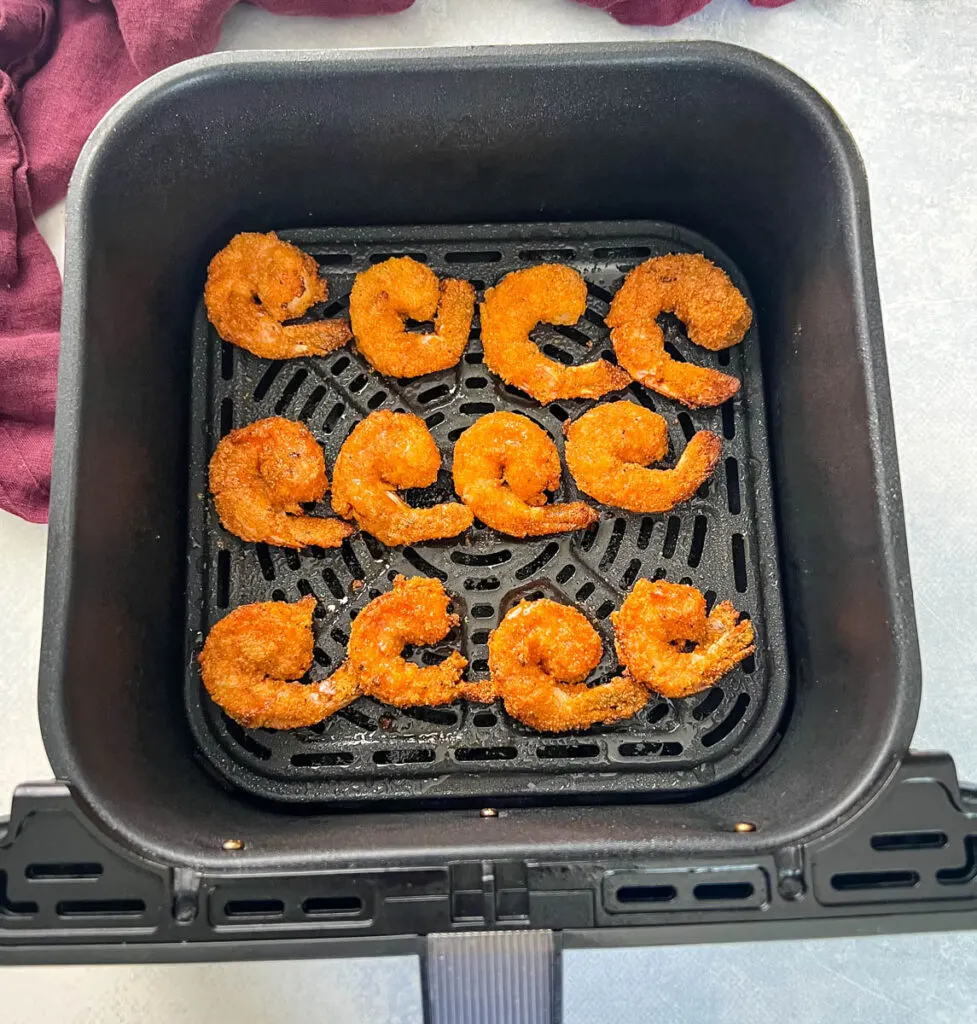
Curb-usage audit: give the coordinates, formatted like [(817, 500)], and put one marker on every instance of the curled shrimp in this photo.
[(610, 446), (503, 465), (701, 295), (659, 621), (415, 611), (539, 658), (254, 284), (261, 474), (549, 293), (387, 452), (387, 294), (251, 655)]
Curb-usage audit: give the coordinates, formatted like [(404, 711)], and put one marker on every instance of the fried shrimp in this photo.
[(540, 656), (254, 284), (658, 623), (249, 658), (260, 475), (610, 446), (503, 465), (553, 294), (387, 294), (387, 452), (414, 612), (712, 308)]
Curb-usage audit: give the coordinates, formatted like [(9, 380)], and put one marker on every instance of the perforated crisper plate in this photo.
[(722, 542)]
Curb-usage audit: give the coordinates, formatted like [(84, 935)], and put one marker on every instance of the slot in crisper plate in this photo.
[(722, 541)]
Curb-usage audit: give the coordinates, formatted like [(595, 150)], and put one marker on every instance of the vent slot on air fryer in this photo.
[(669, 890)]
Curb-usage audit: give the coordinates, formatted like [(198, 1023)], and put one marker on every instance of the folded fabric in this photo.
[(660, 12)]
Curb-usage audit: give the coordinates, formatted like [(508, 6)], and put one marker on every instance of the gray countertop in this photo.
[(901, 74)]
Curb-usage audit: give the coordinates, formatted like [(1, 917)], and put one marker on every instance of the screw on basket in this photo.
[(232, 845), (488, 812), (744, 826), (792, 887)]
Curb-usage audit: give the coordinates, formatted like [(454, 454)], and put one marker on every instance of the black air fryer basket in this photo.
[(783, 802)]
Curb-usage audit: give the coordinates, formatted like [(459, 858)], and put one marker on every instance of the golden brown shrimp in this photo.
[(260, 475), (712, 308), (609, 447), (249, 658), (550, 293), (503, 465), (414, 612), (254, 284), (656, 624), (383, 298), (540, 656), (387, 452)]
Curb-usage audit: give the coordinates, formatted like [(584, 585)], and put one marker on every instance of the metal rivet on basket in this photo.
[(744, 826), (489, 812), (232, 844), (792, 888), (184, 909)]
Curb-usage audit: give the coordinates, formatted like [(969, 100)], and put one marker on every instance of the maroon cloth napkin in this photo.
[(63, 63), (660, 12)]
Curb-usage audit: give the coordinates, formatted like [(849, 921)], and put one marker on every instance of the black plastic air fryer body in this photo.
[(144, 851)]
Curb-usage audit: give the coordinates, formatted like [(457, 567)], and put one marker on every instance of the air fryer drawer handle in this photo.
[(492, 978)]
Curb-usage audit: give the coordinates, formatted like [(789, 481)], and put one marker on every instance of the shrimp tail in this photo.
[(560, 518), (640, 349), (694, 467), (576, 705), (315, 339), (311, 532)]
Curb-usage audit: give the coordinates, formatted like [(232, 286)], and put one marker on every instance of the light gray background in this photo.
[(902, 75)]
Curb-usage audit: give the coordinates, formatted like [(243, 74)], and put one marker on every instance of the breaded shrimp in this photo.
[(656, 624), (254, 284), (539, 657), (249, 658), (387, 452), (503, 465), (414, 612), (609, 447), (549, 293), (260, 475), (712, 308), (386, 295)]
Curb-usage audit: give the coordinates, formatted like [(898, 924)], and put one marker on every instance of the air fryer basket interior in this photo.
[(722, 541), (712, 138)]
